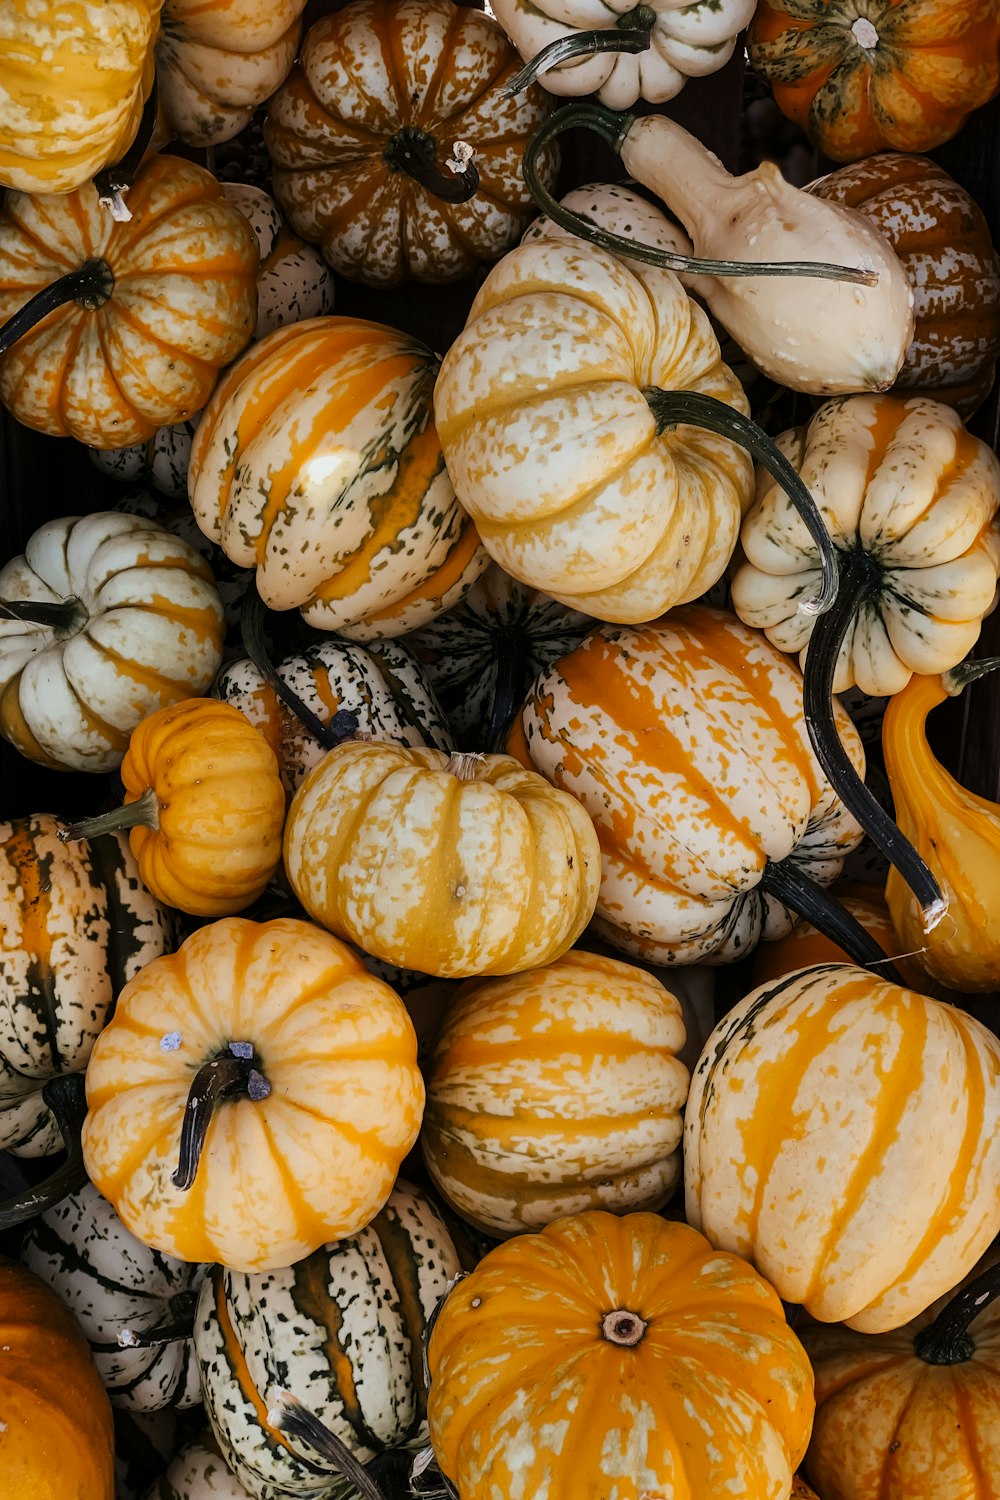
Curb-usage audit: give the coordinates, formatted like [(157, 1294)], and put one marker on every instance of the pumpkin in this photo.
[(123, 1295), (712, 1392), (317, 462), (685, 742), (956, 832), (342, 1331), (215, 63), (942, 238), (482, 656), (868, 75), (137, 318), (73, 81), (56, 1438), (204, 806), (293, 283), (198, 1472), (805, 945), (553, 1091), (911, 1413), (621, 51), (102, 619), (452, 866), (379, 691), (866, 1174), (316, 1061), (396, 146), (76, 922)]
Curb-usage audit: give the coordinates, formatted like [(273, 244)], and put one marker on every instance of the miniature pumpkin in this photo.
[(76, 922), (103, 619), (318, 463), (137, 318), (56, 1436), (452, 866), (199, 1472), (712, 1390), (912, 1412), (342, 1331), (866, 1179), (685, 741), (396, 146), (132, 1303), (73, 81), (204, 806), (942, 238), (869, 75), (215, 63), (316, 1061), (556, 1090)]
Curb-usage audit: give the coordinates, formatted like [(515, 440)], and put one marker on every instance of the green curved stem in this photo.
[(958, 678), (580, 44), (613, 128), (114, 181), (946, 1341), (144, 811), (149, 1338), (253, 613), (414, 152), (223, 1077), (793, 887), (66, 617), (293, 1419), (66, 1098), (90, 284), (672, 408), (860, 579)]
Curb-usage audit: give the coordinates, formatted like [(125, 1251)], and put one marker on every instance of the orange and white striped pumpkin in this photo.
[(685, 741), (554, 1091), (317, 462), (844, 1135), (453, 866)]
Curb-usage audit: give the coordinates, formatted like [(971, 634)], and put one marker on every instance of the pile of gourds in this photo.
[(465, 712)]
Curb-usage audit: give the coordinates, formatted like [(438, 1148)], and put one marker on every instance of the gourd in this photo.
[(77, 923), (450, 865), (913, 1411), (713, 1389), (73, 82), (556, 1090), (832, 328), (862, 1189), (331, 421), (955, 832), (56, 1439), (215, 63), (943, 242), (861, 78), (342, 1332), (482, 656), (316, 1061), (293, 283), (111, 330), (103, 618), (685, 741), (646, 51), (396, 146), (135, 1306), (204, 806), (198, 1472)]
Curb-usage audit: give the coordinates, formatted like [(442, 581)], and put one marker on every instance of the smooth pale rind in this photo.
[(483, 868), (312, 1161), (842, 1133), (715, 1399)]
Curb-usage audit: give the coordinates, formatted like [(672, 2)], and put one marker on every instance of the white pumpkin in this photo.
[(198, 1472)]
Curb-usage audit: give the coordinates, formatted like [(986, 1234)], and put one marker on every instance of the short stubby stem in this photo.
[(114, 181), (143, 812), (233, 1071), (947, 1340), (414, 152), (623, 1327)]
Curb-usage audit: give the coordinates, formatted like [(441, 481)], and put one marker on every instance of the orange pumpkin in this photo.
[(870, 75)]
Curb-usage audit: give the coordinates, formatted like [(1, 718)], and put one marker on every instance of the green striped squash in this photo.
[(342, 1330), (76, 922), (115, 1287)]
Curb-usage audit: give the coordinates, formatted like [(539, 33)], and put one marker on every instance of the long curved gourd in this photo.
[(527, 1348), (834, 328), (869, 75), (955, 832), (912, 1412), (910, 499), (113, 329), (862, 1190)]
